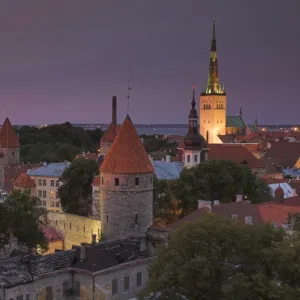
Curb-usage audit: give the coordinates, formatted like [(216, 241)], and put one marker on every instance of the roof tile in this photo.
[(127, 154)]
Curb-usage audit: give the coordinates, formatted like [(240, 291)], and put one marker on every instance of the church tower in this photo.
[(126, 186), (213, 100), (195, 146)]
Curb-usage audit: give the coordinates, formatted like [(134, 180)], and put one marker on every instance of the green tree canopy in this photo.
[(76, 189), (21, 215), (219, 180), (221, 259)]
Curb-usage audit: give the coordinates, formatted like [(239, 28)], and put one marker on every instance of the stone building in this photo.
[(214, 122), (195, 146), (126, 186)]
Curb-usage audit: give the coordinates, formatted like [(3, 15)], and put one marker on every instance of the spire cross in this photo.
[(128, 96)]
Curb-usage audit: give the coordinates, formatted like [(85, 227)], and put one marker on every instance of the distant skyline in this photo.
[(63, 60)]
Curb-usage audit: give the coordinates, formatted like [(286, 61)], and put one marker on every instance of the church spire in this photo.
[(213, 84)]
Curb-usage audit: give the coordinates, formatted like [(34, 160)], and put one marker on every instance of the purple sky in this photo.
[(64, 59)]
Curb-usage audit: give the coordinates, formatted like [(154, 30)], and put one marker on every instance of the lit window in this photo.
[(52, 194)]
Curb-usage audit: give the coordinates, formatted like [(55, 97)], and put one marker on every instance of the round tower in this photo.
[(126, 184)]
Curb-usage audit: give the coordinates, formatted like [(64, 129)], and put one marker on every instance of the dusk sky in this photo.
[(63, 60)]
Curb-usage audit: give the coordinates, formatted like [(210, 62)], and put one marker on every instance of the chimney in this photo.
[(168, 158), (114, 110), (216, 202), (238, 198), (94, 239), (82, 252), (204, 204)]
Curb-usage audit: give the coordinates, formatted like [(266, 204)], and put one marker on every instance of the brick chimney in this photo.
[(82, 252), (114, 110)]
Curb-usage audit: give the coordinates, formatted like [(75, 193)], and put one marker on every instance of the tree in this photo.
[(76, 189), (21, 215), (219, 180), (221, 259)]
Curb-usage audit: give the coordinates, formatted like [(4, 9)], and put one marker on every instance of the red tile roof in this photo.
[(278, 212), (96, 181), (8, 137), (51, 234), (234, 152), (110, 134), (24, 181), (127, 154), (284, 154)]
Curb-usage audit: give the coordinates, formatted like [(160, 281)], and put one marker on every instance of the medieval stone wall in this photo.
[(12, 155), (74, 229), (126, 208)]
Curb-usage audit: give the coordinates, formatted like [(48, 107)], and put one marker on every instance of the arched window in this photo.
[(136, 219)]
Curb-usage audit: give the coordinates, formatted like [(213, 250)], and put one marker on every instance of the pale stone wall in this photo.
[(37, 289), (96, 208), (126, 209), (48, 193), (103, 282), (2, 163), (212, 120), (104, 148), (74, 229), (12, 155)]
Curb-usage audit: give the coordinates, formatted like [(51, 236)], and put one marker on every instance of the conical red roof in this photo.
[(127, 154), (8, 137), (24, 181), (110, 134)]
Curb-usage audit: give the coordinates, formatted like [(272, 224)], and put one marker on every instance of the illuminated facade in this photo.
[(213, 120)]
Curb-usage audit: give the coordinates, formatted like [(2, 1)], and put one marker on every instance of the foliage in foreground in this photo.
[(76, 190), (20, 215), (219, 259)]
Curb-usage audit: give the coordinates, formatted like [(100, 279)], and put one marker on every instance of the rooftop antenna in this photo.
[(128, 96)]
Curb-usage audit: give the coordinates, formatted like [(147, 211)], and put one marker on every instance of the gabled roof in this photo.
[(235, 121), (88, 155), (8, 137), (24, 181), (110, 133), (50, 170), (234, 152), (127, 154), (167, 170)]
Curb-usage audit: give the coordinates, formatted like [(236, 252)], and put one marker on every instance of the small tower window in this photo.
[(137, 181), (106, 218), (196, 158), (151, 179), (102, 180), (117, 181), (188, 158), (13, 153), (136, 219)]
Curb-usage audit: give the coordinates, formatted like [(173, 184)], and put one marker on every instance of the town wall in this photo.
[(74, 229)]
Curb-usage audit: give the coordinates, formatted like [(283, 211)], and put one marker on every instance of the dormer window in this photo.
[(137, 181), (117, 181)]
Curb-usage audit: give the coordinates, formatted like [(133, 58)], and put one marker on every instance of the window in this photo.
[(56, 222), (65, 287), (44, 182), (39, 182), (19, 297), (49, 293), (52, 194), (106, 218), (151, 179), (136, 219), (196, 158), (57, 183), (44, 203), (57, 204), (27, 297), (137, 181), (102, 180), (117, 182), (126, 283), (44, 194), (70, 225), (114, 287), (139, 279), (188, 158), (56, 195), (77, 288), (52, 183), (39, 193)]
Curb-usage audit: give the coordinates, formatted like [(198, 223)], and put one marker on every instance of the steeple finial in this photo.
[(128, 96), (193, 101), (241, 112), (213, 84)]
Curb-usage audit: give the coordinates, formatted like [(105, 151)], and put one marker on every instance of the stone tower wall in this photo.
[(213, 120), (126, 209), (2, 164), (12, 155)]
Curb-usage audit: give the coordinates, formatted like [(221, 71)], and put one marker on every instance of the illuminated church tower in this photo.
[(213, 100)]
